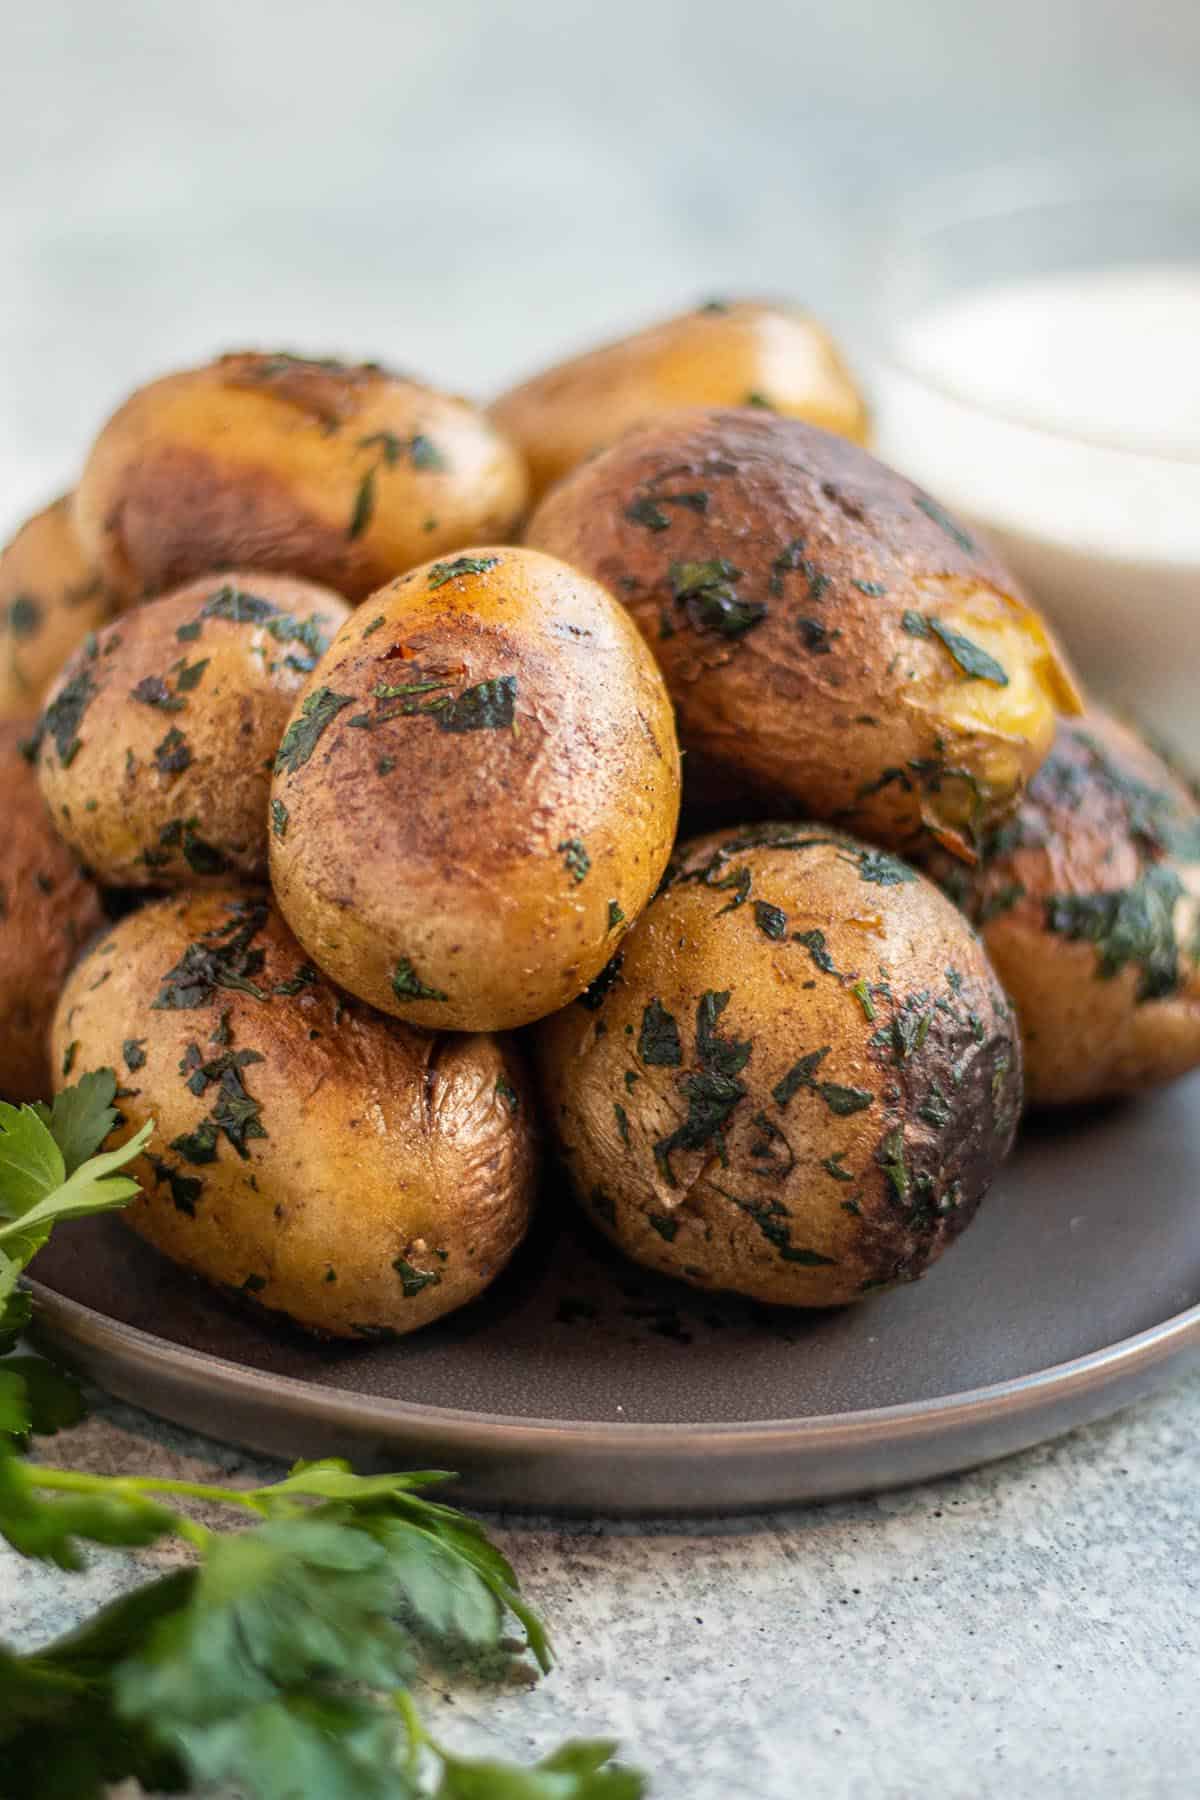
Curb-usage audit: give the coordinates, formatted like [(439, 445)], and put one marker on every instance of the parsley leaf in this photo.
[(303, 734)]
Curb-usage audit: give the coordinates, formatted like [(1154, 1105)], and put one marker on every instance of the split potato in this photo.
[(796, 1079), (340, 1169), (50, 598), (339, 472), (477, 793), (827, 631), (48, 910), (1089, 904), (735, 353), (156, 745)]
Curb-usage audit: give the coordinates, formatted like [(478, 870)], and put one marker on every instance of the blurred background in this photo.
[(469, 189)]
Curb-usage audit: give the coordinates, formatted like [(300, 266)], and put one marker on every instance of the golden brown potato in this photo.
[(156, 745), (1089, 904), (738, 353), (360, 1177), (48, 909), (477, 793), (338, 472), (825, 629), (797, 1078), (50, 598)]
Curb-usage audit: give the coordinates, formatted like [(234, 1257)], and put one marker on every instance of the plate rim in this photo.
[(1020, 1395)]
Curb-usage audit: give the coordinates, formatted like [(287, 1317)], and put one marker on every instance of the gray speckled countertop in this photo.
[(1030, 1629), (469, 189)]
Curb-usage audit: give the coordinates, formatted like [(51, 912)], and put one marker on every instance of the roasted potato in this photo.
[(796, 1079), (338, 472), (156, 745), (48, 909), (1089, 904), (740, 353), (477, 792), (826, 630), (341, 1169), (50, 598)]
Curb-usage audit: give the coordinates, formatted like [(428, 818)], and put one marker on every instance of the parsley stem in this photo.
[(72, 1481), (418, 1737)]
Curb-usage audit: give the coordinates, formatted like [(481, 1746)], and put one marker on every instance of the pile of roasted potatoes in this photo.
[(347, 731)]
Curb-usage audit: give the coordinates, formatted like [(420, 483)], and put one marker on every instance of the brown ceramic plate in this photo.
[(581, 1383)]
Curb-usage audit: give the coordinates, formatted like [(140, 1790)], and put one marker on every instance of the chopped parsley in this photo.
[(407, 984), (706, 591), (442, 572), (576, 858), (303, 734), (658, 1040)]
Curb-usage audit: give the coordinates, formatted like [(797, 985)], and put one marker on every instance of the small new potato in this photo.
[(339, 472), (342, 1170), (826, 630), (738, 353), (1089, 904), (477, 793), (156, 745), (50, 598), (48, 910), (797, 1078)]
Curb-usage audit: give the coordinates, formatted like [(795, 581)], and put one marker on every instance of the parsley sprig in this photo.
[(278, 1659)]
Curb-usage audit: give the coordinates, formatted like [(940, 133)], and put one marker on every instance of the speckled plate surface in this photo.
[(580, 1383)]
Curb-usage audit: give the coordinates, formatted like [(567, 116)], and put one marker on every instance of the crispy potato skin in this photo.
[(338, 472), (836, 1085), (163, 778), (473, 866), (383, 1146), (48, 910), (1107, 991), (786, 582), (50, 598), (745, 353)]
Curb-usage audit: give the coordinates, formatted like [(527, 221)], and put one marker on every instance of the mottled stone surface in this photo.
[(1030, 1629)]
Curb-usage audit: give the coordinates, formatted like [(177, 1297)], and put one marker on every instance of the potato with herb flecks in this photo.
[(156, 745), (339, 1168), (797, 1078), (342, 473), (826, 630), (48, 910), (737, 353), (477, 793), (50, 598), (1088, 900)]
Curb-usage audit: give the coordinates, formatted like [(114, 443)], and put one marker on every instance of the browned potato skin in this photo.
[(300, 467), (48, 910), (766, 1214), (1102, 814), (383, 1145), (120, 799), (496, 869), (738, 353), (50, 598), (825, 696)]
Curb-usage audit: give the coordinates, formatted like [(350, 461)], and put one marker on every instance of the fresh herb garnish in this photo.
[(442, 572), (971, 658), (407, 984), (279, 818), (771, 920), (941, 518), (658, 1039), (489, 706), (576, 858), (706, 591), (303, 734), (152, 690), (174, 754)]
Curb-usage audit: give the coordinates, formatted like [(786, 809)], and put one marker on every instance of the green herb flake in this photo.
[(190, 675), (771, 920), (279, 818), (442, 572), (407, 984), (706, 591), (364, 506), (63, 717), (941, 518), (69, 1055), (134, 1052), (915, 624), (414, 1281), (489, 706), (971, 658), (884, 869), (303, 734), (832, 1165), (152, 690), (814, 942), (615, 915), (622, 1118), (507, 1093), (891, 1159), (873, 589), (374, 626), (802, 1074), (843, 1102), (187, 634), (658, 1039), (576, 858), (174, 754), (862, 993)]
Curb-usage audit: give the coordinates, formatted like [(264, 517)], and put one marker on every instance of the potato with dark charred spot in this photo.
[(826, 630), (351, 1174), (1088, 900), (339, 472), (737, 353), (48, 910), (157, 742), (50, 598), (477, 793), (798, 1077)]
